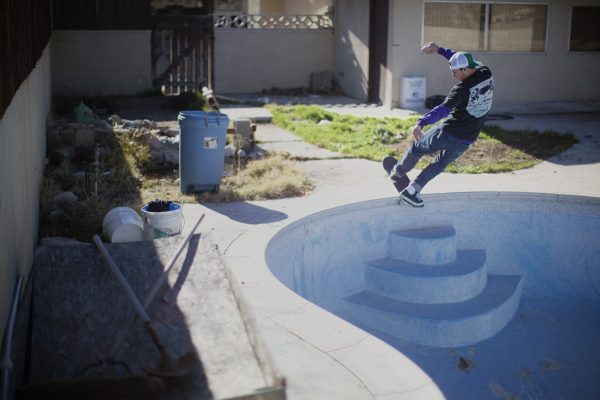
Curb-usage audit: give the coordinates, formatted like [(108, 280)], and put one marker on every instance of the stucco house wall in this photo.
[(250, 60), (22, 157), (292, 7), (553, 75), (101, 63), (352, 47), (288, 7)]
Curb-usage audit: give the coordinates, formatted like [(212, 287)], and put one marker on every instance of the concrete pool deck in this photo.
[(320, 355)]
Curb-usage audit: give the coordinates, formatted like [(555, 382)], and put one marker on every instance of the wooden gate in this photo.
[(182, 53)]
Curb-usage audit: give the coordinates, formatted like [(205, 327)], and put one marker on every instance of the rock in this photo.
[(119, 130), (84, 138), (162, 149), (102, 124), (149, 124), (59, 154), (138, 123), (54, 216), (170, 140), (324, 122), (147, 137), (229, 151), (170, 148), (80, 175), (75, 125), (67, 136), (103, 135), (115, 119), (64, 200), (156, 151), (172, 132)]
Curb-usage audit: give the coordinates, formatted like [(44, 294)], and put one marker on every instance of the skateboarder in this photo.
[(465, 107)]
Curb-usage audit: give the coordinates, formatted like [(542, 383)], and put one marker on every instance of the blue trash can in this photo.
[(201, 150)]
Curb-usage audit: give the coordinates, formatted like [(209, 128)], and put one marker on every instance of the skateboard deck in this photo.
[(399, 183)]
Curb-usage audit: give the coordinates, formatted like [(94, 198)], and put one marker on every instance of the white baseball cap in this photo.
[(462, 59)]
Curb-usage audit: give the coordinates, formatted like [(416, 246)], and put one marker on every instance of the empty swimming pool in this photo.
[(494, 295)]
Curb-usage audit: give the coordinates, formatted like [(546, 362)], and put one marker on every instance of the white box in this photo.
[(412, 91)]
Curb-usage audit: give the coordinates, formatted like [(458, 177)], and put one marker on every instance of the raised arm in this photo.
[(448, 53), (431, 48)]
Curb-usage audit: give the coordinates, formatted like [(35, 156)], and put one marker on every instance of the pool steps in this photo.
[(428, 292)]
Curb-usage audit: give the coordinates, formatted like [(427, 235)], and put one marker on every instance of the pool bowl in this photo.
[(493, 295)]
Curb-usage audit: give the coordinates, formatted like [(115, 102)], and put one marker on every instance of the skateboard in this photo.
[(399, 183)]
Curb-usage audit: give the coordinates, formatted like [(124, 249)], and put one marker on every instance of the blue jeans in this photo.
[(433, 140)]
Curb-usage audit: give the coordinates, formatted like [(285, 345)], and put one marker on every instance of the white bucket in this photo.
[(123, 224), (163, 223)]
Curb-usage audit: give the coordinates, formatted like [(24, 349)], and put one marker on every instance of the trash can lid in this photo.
[(195, 114)]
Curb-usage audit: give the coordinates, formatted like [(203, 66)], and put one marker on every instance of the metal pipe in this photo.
[(6, 364)]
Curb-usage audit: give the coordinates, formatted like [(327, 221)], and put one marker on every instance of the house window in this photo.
[(585, 29), (486, 26), (230, 6)]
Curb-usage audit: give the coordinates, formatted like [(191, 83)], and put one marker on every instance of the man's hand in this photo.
[(417, 132), (430, 48)]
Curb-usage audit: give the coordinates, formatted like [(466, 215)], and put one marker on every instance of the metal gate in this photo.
[(182, 53)]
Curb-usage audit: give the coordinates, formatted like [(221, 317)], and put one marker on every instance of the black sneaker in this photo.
[(411, 199)]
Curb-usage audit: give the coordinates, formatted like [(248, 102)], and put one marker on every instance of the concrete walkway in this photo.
[(320, 355)]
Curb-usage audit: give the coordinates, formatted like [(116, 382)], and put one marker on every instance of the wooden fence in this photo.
[(24, 33), (101, 15)]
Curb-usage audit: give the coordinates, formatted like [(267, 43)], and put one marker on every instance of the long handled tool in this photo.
[(114, 351), (167, 368)]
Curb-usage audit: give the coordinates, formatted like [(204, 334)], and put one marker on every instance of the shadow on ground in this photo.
[(247, 213), (584, 149)]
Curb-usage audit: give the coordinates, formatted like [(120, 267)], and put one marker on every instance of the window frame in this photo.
[(487, 22)]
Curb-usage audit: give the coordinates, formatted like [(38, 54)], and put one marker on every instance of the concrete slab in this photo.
[(257, 115), (79, 312), (271, 138)]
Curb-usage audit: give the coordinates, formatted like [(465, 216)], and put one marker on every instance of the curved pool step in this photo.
[(457, 281), (430, 246), (442, 325)]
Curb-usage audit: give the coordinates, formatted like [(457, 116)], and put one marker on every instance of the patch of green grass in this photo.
[(497, 150), (371, 138)]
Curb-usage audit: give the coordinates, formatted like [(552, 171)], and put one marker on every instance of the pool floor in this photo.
[(543, 353)]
